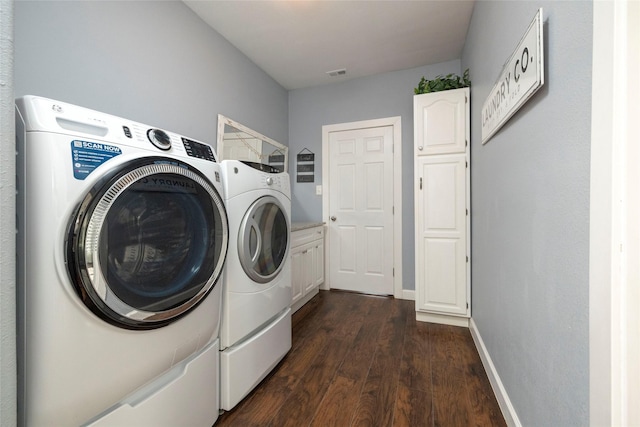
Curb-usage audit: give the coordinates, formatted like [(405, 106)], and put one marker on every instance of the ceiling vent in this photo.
[(335, 73)]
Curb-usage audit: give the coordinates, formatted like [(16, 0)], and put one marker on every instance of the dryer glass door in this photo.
[(263, 241), (148, 243)]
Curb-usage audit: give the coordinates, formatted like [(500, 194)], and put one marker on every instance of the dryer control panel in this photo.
[(279, 182), (261, 167)]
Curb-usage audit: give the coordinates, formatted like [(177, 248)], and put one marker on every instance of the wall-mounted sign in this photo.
[(305, 166), (276, 159), (521, 77)]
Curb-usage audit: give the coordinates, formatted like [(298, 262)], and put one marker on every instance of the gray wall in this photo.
[(7, 222), (380, 96), (530, 212), (155, 62)]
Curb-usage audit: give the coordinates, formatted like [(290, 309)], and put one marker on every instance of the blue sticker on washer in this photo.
[(87, 156)]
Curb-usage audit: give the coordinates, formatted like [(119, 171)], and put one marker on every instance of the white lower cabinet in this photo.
[(442, 264), (307, 264)]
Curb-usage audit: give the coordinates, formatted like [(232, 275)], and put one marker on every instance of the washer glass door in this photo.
[(263, 240), (148, 243)]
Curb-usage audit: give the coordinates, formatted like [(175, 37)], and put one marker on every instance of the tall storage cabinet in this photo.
[(442, 207)]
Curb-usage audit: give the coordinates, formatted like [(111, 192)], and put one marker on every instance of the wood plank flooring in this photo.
[(359, 360)]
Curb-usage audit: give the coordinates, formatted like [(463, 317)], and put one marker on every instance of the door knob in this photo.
[(333, 218)]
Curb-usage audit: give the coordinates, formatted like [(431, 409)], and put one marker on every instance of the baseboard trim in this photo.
[(508, 411), (442, 319), (409, 294)]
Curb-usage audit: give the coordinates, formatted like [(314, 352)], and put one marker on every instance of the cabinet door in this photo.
[(441, 234), (318, 263), (307, 262), (297, 274), (439, 121)]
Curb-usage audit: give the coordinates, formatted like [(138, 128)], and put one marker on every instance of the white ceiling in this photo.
[(297, 42)]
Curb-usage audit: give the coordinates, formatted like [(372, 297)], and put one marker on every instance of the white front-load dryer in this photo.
[(122, 239), (255, 331)]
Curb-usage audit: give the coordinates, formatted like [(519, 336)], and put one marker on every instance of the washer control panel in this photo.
[(198, 149), (166, 141)]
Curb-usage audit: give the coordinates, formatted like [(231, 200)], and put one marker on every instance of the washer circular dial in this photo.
[(159, 138)]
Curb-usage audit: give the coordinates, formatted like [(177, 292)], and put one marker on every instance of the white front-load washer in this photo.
[(122, 239), (255, 331)]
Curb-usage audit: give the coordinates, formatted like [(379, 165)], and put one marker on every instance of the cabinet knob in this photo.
[(420, 148), (333, 218)]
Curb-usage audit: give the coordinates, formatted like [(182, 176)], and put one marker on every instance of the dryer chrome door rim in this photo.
[(148, 243), (263, 239)]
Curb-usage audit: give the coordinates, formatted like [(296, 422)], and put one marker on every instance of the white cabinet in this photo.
[(307, 263), (442, 207)]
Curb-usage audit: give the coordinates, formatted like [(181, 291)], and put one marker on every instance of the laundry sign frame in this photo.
[(521, 77), (277, 160), (305, 167)]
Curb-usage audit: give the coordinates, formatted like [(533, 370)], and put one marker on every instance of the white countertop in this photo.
[(296, 226)]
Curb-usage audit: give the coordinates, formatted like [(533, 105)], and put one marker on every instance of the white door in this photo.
[(441, 236), (360, 229)]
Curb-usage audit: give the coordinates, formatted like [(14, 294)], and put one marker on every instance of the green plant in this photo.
[(450, 81)]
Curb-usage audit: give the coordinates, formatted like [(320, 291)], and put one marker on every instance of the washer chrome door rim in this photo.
[(266, 222), (85, 245)]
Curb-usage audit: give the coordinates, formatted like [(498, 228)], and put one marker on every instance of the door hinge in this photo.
[(465, 99), (467, 306), (467, 258), (466, 164), (466, 142), (393, 272), (467, 212), (421, 183)]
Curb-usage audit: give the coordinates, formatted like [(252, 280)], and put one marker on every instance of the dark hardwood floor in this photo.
[(359, 360)]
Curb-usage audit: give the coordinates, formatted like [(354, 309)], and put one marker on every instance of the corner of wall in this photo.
[(508, 411), (8, 391)]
